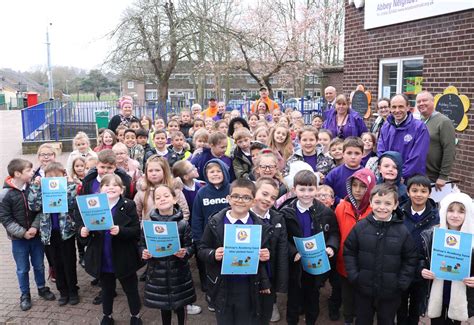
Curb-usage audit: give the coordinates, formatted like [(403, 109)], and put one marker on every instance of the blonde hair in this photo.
[(46, 146), (167, 177), (201, 134), (241, 133), (259, 130), (109, 178), (267, 153), (81, 136), (286, 146)]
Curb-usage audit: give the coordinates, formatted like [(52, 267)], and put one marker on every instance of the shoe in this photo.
[(63, 300), (98, 299), (275, 314), (135, 320), (334, 314), (107, 320), (193, 309), (46, 294), (73, 299), (94, 282), (25, 301), (211, 309)]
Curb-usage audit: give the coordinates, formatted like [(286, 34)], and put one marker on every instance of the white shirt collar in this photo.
[(190, 188), (233, 220), (98, 178), (301, 208), (420, 213), (265, 216)]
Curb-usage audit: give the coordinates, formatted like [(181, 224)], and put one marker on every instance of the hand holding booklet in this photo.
[(54, 194), (162, 238), (95, 211), (314, 259)]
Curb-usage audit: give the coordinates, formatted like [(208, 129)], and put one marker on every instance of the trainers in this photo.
[(73, 299), (275, 314), (193, 309), (63, 300), (25, 301), (107, 320), (135, 320), (46, 294)]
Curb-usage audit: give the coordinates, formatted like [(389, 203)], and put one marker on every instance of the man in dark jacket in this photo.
[(380, 258)]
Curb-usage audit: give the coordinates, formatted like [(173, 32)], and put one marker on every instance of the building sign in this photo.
[(454, 106), (380, 13)]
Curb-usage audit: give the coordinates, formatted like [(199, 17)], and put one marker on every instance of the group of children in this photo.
[(378, 229)]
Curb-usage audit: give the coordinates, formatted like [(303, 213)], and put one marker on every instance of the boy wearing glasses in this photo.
[(305, 216), (235, 297)]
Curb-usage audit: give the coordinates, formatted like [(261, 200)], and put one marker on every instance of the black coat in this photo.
[(279, 252), (213, 238), (86, 187), (169, 283), (125, 256), (323, 219), (380, 257)]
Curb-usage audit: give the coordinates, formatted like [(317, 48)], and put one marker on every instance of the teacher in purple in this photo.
[(344, 122)]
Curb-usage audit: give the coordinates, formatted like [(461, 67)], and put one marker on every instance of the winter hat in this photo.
[(125, 100)]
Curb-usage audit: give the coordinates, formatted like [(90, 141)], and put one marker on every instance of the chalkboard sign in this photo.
[(360, 102), (451, 106)]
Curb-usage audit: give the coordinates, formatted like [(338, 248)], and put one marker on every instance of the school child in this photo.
[(188, 175), (277, 267), (82, 148), (157, 171), (369, 147), (380, 258), (142, 139), (236, 298), (336, 178), (200, 141), (235, 123), (266, 165), (255, 148), (159, 148), (46, 154), (223, 127), (169, 283), (146, 123), (317, 121), (449, 302), (108, 139), (420, 213), (324, 139), (22, 227), (57, 232), (91, 162), (305, 216), (217, 148), (253, 120), (209, 123), (135, 124), (261, 135), (173, 126), (135, 151), (242, 158), (336, 151), (390, 166), (198, 124), (325, 195), (129, 165), (354, 208), (280, 143), (210, 199), (159, 124), (177, 150), (78, 170), (113, 254), (186, 123), (120, 132)]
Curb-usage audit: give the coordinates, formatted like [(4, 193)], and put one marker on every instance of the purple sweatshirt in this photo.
[(354, 126), (337, 180), (107, 263)]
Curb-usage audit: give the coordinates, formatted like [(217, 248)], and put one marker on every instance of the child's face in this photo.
[(222, 128), (265, 197), (89, 165), (142, 140), (244, 144), (358, 189), (46, 156), (135, 125), (383, 205), (368, 143), (198, 125), (267, 167), (192, 171), (145, 124), (254, 153), (160, 141), (455, 216), (219, 149), (253, 120), (173, 126), (209, 122), (262, 137), (55, 173), (154, 172), (79, 167), (325, 197), (164, 200), (352, 157), (82, 145), (104, 169), (159, 124), (107, 139), (276, 114), (112, 189), (324, 139), (418, 194), (178, 143), (336, 151), (308, 143), (388, 169), (280, 135), (122, 155), (317, 123), (200, 143), (215, 175), (25, 175), (130, 139), (121, 135), (185, 117), (305, 194), (240, 200)]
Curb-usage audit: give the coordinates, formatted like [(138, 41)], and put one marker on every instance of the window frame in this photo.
[(399, 61)]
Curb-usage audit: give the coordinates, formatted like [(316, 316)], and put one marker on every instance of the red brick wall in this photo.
[(447, 46)]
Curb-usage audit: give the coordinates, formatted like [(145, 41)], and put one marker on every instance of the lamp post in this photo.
[(50, 71)]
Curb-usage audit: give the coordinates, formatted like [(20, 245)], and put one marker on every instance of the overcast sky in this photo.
[(77, 35)]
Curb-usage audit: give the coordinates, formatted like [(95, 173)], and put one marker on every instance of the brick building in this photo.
[(385, 55)]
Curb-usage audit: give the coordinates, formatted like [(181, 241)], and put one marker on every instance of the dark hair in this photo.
[(243, 183), (141, 133), (419, 180), (177, 134), (198, 120), (384, 99), (305, 178), (54, 166), (353, 142), (232, 122), (107, 156), (384, 189), (159, 131), (18, 165), (257, 145), (266, 180), (129, 131), (216, 137), (310, 129), (135, 120)]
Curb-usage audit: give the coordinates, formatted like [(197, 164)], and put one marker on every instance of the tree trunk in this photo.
[(162, 99)]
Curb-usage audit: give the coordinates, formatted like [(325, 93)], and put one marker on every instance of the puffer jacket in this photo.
[(380, 257), (14, 213), (66, 220), (324, 164), (169, 283), (241, 164)]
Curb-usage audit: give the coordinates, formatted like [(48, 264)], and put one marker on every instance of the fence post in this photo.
[(55, 125)]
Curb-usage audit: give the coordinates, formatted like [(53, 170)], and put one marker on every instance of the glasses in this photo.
[(323, 196), (243, 198), (384, 107), (46, 155), (191, 169), (267, 167)]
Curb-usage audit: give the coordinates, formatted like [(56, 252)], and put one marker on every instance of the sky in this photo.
[(78, 34)]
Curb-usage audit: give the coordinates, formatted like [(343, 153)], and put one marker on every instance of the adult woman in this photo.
[(383, 109), (125, 116), (344, 122)]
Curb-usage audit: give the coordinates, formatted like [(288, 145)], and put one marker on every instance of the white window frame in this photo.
[(130, 84), (399, 61)]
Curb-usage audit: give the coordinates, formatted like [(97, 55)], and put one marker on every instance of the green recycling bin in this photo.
[(102, 119)]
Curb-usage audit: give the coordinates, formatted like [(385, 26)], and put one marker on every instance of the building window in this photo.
[(151, 94), (402, 75), (209, 80), (130, 85)]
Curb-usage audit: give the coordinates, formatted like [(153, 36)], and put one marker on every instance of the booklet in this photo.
[(54, 193), (451, 254), (162, 238), (95, 211), (241, 249), (314, 258)]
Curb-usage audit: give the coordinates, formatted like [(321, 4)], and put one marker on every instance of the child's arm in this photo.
[(409, 263), (187, 241), (207, 248), (132, 230), (197, 219), (6, 217), (351, 251), (35, 198), (333, 238)]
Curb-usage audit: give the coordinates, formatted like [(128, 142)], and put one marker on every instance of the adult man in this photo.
[(211, 110), (442, 140), (330, 95), (406, 135), (264, 98)]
